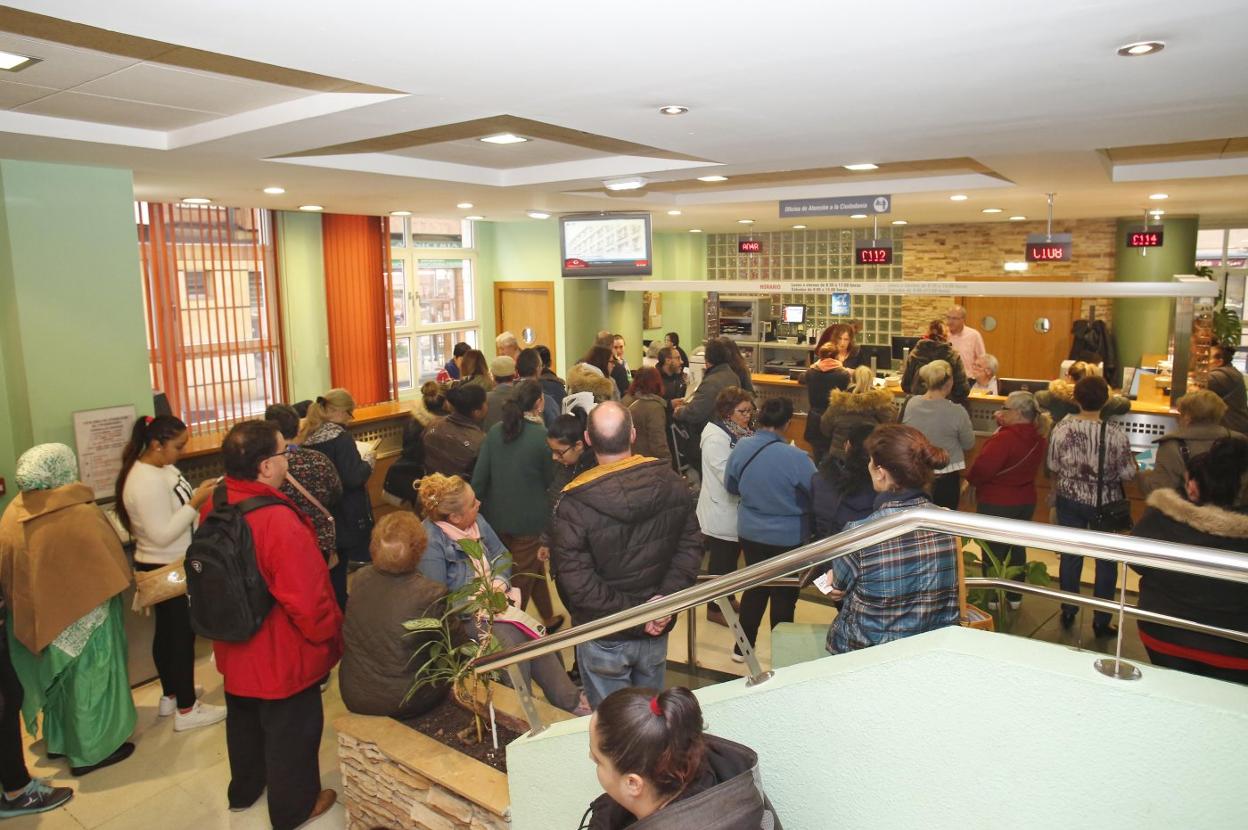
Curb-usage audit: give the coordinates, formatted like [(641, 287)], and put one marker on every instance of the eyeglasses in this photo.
[(559, 454), (287, 450), (744, 410)]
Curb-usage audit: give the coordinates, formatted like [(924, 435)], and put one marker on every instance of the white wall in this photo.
[(953, 729)]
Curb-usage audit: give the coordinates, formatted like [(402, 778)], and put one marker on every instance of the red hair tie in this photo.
[(147, 420), (654, 706)]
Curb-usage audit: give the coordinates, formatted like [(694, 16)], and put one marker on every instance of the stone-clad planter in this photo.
[(396, 777)]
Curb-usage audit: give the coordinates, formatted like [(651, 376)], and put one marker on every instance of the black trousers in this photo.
[(723, 555), (173, 647), (274, 744), (783, 600), (13, 773), (947, 490), (1014, 554)]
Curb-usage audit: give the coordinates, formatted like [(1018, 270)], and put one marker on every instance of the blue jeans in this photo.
[(609, 665), (1076, 514)]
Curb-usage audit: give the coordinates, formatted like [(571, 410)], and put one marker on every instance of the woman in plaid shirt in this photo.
[(907, 585)]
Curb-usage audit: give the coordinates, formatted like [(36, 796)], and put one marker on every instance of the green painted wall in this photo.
[(301, 267), (73, 333), (1143, 326), (680, 256)]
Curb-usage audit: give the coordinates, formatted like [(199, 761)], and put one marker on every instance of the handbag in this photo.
[(332, 562), (1114, 516), (525, 623), (154, 587)]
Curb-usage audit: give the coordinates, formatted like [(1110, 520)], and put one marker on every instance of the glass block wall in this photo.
[(826, 254)]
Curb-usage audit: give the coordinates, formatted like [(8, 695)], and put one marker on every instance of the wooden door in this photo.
[(1022, 350), (527, 310)]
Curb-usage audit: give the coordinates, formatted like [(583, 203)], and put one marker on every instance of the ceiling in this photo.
[(1024, 103)]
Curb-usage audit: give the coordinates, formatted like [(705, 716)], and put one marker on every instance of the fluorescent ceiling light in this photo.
[(13, 62), (537, 214), (275, 191), (799, 227), (1017, 218), (1157, 197), (745, 221), (673, 109), (1141, 48), (858, 216), (628, 183), (673, 213), (991, 210), (465, 206), (1016, 266), (864, 166), (504, 138), (958, 197), (197, 200), (474, 218), (400, 213), (712, 178), (695, 230), (1157, 212), (900, 222), (311, 208)]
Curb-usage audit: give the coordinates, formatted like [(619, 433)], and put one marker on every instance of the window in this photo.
[(213, 347)]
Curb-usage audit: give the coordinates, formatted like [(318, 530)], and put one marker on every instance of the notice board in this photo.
[(101, 435)]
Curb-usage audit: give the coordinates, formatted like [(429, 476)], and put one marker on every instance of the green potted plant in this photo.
[(1227, 327), (999, 568)]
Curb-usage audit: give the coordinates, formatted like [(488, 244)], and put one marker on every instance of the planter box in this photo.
[(397, 778)]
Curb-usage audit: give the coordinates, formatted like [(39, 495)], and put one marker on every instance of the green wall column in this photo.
[(72, 333), (1144, 325), (301, 266)]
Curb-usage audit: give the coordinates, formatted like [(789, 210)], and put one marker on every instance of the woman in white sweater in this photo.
[(159, 508), (717, 508)]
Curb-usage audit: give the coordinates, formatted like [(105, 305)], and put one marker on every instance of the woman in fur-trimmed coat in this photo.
[(845, 409), (584, 377)]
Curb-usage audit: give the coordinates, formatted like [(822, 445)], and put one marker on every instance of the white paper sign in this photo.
[(101, 435)]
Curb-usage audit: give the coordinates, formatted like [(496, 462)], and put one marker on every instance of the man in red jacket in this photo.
[(274, 716)]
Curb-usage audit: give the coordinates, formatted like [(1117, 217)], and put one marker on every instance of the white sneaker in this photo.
[(201, 714), (1015, 604), (169, 703)]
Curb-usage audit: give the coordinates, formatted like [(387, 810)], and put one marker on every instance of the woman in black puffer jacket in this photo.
[(935, 345)]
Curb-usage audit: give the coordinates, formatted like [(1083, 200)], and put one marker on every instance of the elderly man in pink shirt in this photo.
[(968, 342)]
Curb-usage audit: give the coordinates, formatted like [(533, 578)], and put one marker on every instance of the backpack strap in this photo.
[(256, 502), (1185, 452)]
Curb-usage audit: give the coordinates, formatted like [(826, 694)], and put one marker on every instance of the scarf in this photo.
[(455, 533), (46, 467), (735, 431)]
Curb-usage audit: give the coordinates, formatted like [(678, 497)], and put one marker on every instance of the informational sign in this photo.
[(101, 435), (1042, 248), (749, 246), (835, 206), (866, 254), (1145, 238)]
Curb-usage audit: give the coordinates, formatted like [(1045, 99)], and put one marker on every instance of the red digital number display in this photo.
[(875, 256), (1145, 239), (749, 246), (1048, 252)]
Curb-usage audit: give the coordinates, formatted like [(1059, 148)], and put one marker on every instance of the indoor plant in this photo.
[(998, 568)]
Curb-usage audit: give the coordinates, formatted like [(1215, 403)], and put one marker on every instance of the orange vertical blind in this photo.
[(357, 294)]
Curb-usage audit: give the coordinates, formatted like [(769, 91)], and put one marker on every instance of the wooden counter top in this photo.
[(210, 442)]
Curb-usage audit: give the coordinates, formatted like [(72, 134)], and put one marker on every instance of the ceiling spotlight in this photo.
[(673, 109), (537, 214), (673, 213), (858, 216), (1140, 48), (864, 166), (400, 213), (900, 222), (628, 183), (13, 62), (311, 208), (1157, 197), (712, 178), (1018, 218), (474, 218), (745, 221), (465, 206), (991, 210), (197, 200), (275, 191), (799, 227), (695, 230), (504, 138), (958, 197)]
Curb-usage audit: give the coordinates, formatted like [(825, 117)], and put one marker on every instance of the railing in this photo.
[(1127, 550)]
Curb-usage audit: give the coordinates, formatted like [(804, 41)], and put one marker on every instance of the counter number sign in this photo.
[(749, 246), (877, 255), (1043, 249), (1146, 238)]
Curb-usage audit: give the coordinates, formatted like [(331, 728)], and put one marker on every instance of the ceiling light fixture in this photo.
[(197, 200), (673, 109), (628, 183), (474, 218), (1018, 218), (1157, 197), (275, 190), (504, 138), (13, 62), (991, 210), (958, 197), (537, 214), (673, 213), (858, 216), (745, 221), (311, 208), (1157, 212), (400, 213), (1016, 266), (1141, 48), (465, 206), (866, 165), (900, 222), (712, 178), (799, 227), (695, 230)]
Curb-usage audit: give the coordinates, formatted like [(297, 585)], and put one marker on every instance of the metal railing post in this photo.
[(757, 675), (531, 714)]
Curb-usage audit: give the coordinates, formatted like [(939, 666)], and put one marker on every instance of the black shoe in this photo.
[(1068, 620), (556, 623), (120, 754), (1105, 631), (38, 797)]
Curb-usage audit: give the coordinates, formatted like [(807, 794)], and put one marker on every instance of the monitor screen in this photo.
[(1007, 385), (882, 354), (795, 314), (840, 303), (902, 346), (605, 244)]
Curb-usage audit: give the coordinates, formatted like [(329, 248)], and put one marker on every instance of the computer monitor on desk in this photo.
[(1007, 385), (902, 346), (883, 356)]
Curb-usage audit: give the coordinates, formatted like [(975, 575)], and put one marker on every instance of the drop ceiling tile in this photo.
[(173, 87), (61, 67), (96, 108), (11, 94)]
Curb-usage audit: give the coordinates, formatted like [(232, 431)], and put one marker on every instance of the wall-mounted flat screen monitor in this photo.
[(840, 304), (902, 346), (795, 314), (606, 245)]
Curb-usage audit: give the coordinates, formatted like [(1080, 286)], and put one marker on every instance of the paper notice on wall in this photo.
[(101, 435)]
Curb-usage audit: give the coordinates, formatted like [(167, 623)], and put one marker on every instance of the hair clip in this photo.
[(654, 706)]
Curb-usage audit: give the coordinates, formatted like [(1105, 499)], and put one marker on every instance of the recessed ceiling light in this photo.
[(465, 206), (745, 221), (311, 208), (504, 138), (1157, 197), (474, 218), (991, 210), (275, 191), (712, 178), (13, 62), (1157, 212), (900, 222), (1016, 266), (864, 166), (1141, 48), (799, 227), (673, 213), (958, 197), (673, 109), (626, 183), (695, 230), (1018, 218), (400, 213), (197, 200), (858, 216), (537, 214)]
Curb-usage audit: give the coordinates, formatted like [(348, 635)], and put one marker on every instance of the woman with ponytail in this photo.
[(512, 478), (907, 585), (158, 508), (661, 771)]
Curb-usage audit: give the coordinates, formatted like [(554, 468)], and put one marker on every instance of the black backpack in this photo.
[(228, 596)]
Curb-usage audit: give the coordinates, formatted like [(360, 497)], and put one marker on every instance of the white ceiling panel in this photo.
[(61, 67), (11, 94), (183, 88), (81, 107), (502, 156)]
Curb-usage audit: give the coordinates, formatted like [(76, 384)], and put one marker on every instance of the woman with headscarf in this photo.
[(62, 571)]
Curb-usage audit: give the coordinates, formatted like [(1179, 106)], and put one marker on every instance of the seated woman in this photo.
[(661, 771), (376, 670), (1200, 425), (63, 570), (451, 511), (1205, 514), (907, 585)]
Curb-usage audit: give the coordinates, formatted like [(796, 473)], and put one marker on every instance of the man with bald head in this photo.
[(624, 532), (968, 342)]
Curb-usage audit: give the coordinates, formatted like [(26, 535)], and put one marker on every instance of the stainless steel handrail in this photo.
[(1129, 549)]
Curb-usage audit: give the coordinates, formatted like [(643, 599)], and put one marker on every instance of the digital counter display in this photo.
[(882, 255), (1145, 239), (749, 246)]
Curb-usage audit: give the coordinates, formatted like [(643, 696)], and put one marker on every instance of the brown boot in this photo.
[(713, 614), (324, 800)]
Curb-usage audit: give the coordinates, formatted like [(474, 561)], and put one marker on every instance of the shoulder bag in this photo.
[(154, 587), (1115, 516), (303, 491)]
